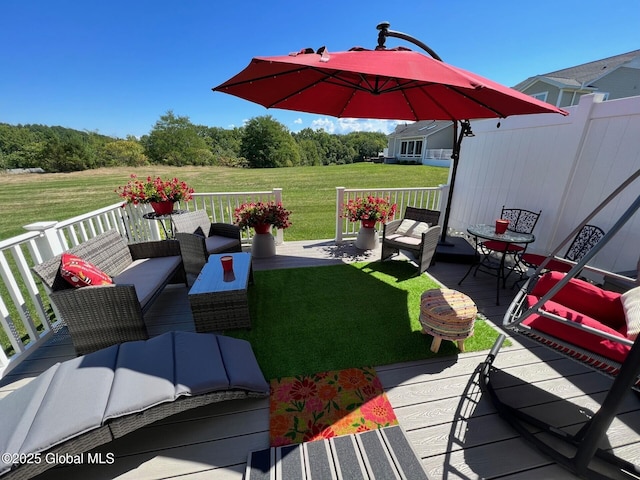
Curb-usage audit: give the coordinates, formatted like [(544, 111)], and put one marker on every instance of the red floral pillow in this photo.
[(81, 273)]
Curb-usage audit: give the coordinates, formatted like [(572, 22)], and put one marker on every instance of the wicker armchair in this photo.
[(199, 238), (417, 233), (102, 315)]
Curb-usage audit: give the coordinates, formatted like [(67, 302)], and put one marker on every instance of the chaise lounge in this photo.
[(85, 402)]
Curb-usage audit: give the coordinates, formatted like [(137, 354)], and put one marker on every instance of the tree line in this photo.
[(174, 140)]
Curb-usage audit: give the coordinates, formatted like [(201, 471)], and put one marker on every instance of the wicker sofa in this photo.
[(102, 315)]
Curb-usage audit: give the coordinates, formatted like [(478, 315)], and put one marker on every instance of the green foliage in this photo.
[(174, 140), (268, 143), (124, 152)]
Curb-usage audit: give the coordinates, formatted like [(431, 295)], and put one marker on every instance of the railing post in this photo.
[(339, 209), (48, 243), (277, 192)]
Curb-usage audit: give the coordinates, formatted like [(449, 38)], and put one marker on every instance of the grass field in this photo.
[(309, 192)]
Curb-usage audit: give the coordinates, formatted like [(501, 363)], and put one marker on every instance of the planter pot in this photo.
[(369, 223), (263, 245), (162, 208), (501, 226), (367, 238), (263, 228)]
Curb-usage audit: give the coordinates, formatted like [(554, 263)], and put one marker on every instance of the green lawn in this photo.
[(342, 316), (309, 192)]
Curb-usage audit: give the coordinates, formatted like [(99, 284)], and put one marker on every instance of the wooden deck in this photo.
[(452, 427)]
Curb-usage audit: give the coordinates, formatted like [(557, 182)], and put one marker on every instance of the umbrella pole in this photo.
[(455, 156)]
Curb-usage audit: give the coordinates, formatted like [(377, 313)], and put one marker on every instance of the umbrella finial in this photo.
[(385, 32), (382, 36)]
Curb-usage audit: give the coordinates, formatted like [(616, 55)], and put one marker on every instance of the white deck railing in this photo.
[(24, 306), (426, 197)]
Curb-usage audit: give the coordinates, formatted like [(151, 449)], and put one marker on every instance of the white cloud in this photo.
[(346, 125), (298, 121)]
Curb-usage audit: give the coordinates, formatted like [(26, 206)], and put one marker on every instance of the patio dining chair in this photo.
[(585, 240), (199, 238), (491, 251)]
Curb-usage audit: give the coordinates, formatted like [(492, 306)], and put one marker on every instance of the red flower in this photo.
[(303, 389), (353, 378), (369, 208), (378, 410), (251, 214), (154, 190)]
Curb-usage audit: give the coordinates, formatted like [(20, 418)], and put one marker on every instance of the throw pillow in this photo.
[(631, 306), (80, 273), (199, 232), (412, 228)]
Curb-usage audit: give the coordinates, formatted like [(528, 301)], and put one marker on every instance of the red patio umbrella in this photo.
[(397, 84)]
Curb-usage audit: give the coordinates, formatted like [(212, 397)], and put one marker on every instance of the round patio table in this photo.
[(508, 238)]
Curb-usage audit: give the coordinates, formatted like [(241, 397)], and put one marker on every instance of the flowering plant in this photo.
[(262, 213), (154, 190), (369, 208)]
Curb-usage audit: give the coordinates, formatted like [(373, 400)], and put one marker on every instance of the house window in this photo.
[(541, 96), (411, 148)]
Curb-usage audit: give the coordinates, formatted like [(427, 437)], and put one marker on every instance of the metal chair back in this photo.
[(584, 241), (520, 220)]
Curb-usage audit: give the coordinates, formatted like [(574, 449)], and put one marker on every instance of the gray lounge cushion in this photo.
[(84, 394), (217, 243), (148, 275)]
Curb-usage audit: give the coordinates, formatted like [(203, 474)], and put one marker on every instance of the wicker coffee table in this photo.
[(219, 299)]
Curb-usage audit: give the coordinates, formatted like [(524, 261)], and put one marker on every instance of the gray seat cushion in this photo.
[(148, 275), (217, 243)]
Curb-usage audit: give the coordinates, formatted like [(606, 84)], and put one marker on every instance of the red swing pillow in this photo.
[(80, 273)]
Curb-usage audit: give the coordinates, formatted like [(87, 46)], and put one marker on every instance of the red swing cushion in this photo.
[(584, 303)]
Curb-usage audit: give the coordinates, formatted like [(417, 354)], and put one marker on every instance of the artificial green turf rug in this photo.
[(316, 319), (305, 408)]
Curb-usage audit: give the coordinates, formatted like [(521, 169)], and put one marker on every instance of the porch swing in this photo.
[(545, 311)]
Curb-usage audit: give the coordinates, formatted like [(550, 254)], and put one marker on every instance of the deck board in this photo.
[(452, 427)]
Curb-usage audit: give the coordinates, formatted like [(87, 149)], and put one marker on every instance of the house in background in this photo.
[(427, 142), (430, 142), (615, 77)]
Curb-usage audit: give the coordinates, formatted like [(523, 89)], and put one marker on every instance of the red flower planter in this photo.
[(262, 228), (369, 223), (162, 208)]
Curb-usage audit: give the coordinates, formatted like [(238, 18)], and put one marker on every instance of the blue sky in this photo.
[(115, 67)]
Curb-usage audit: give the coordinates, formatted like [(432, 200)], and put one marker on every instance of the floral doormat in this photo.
[(305, 408)]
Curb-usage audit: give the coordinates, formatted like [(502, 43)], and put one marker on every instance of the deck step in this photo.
[(377, 454)]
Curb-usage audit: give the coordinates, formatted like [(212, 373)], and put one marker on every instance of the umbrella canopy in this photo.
[(393, 84), (396, 84)]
